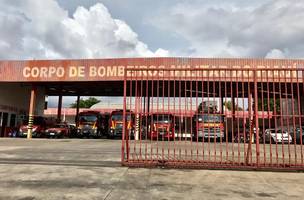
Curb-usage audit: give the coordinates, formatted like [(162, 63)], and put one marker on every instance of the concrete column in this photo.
[(31, 112)]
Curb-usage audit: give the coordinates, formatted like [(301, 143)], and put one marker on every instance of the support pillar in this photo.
[(59, 108), (77, 110), (31, 112)]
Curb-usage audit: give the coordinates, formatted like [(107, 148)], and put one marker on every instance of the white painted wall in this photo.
[(15, 98)]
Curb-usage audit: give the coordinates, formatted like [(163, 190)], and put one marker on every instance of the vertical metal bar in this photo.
[(136, 108), (288, 112), (244, 117), (163, 111), (157, 111), (208, 114), (256, 119), (281, 117), (263, 116), (238, 118), (180, 114), (226, 123), (184, 114), (146, 114), (171, 129), (124, 117), (31, 111), (249, 149), (202, 126), (275, 119), (195, 117), (151, 116), (221, 115), (174, 111), (141, 116), (300, 115), (190, 130), (214, 114), (232, 95), (293, 121), (268, 113)]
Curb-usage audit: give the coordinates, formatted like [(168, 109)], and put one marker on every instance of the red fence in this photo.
[(214, 118)]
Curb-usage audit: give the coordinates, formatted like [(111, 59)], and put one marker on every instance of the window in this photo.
[(13, 120)]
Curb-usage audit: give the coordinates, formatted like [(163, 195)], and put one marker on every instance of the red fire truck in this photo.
[(116, 123), (161, 126), (209, 123), (91, 124)]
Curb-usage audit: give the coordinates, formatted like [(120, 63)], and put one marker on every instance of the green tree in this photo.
[(85, 103), (269, 104), (205, 109), (228, 105)]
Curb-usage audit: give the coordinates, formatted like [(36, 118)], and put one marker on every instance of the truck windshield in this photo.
[(162, 118), (87, 118), (118, 117), (210, 118)]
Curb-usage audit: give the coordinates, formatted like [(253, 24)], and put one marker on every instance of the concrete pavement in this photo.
[(90, 169)]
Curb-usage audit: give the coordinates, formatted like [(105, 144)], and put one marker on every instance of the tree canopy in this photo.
[(85, 103)]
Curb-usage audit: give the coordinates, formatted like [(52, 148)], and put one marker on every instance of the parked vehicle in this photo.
[(277, 136), (208, 126), (298, 134), (39, 126), (161, 126), (91, 124), (116, 123), (58, 131)]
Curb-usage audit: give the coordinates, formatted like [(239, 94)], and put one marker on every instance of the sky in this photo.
[(64, 29), (59, 29)]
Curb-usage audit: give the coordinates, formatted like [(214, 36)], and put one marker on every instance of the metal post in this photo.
[(31, 112), (249, 149), (256, 119), (124, 121)]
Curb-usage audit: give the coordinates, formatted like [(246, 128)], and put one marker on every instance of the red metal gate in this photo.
[(214, 118)]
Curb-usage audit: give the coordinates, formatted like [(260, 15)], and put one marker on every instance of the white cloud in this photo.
[(231, 29), (275, 53), (42, 29)]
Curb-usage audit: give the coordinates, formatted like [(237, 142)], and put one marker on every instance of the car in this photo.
[(297, 134), (277, 136), (58, 131)]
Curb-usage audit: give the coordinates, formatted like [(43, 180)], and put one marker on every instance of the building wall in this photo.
[(14, 100)]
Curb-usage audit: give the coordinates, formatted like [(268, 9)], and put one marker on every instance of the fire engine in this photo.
[(208, 123), (91, 124), (116, 123), (161, 126)]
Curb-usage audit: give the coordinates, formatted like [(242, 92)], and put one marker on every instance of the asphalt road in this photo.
[(90, 169)]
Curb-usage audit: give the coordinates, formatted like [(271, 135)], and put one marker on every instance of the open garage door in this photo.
[(214, 118)]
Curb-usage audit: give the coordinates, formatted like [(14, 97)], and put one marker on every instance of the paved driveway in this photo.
[(90, 169)]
